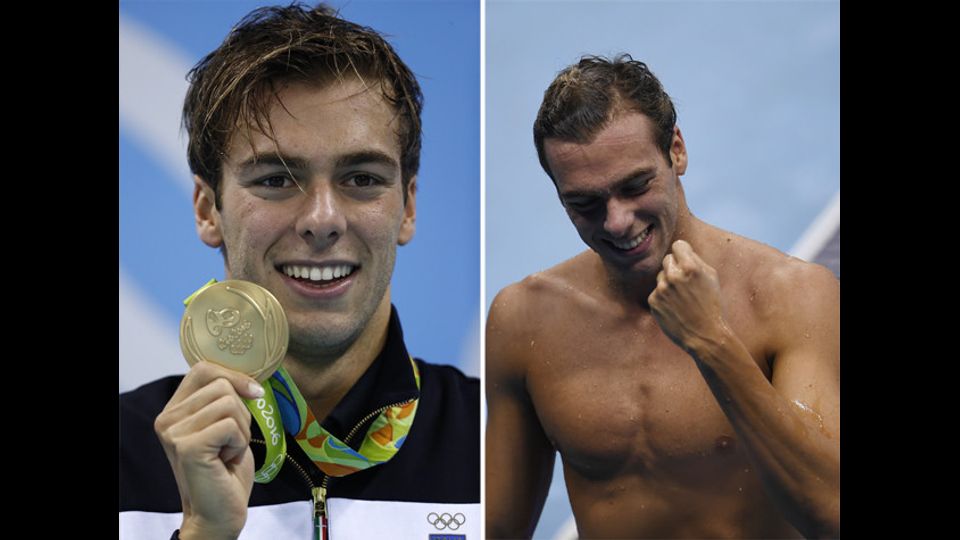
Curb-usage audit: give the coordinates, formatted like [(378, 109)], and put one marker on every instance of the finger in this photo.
[(202, 373), (668, 261), (673, 270), (205, 447), (225, 407), (686, 257), (234, 456), (175, 412)]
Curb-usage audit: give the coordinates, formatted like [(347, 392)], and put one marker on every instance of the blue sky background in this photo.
[(436, 281), (757, 89)]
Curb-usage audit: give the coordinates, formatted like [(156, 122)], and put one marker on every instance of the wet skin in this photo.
[(578, 364)]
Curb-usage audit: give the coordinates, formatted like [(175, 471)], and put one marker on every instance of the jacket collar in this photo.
[(388, 380)]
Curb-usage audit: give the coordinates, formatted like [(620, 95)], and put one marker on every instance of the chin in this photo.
[(329, 336)]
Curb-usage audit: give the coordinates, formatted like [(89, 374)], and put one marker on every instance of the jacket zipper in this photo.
[(319, 494)]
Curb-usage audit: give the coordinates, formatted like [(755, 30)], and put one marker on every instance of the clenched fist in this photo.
[(205, 432), (686, 301)]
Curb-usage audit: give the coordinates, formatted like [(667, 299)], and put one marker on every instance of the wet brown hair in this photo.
[(235, 85), (586, 96)]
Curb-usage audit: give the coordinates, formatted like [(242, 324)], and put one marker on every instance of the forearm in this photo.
[(798, 462)]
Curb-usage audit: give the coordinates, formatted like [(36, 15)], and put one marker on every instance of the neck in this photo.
[(323, 380)]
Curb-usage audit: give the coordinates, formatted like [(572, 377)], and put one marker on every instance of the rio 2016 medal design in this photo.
[(236, 324), (241, 326)]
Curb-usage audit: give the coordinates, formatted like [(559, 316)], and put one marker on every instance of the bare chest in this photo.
[(620, 398)]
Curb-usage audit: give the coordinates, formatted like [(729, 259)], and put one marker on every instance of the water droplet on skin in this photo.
[(740, 490), (531, 343), (806, 335), (724, 444)]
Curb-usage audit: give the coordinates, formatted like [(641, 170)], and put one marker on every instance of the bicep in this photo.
[(519, 456), (806, 367)]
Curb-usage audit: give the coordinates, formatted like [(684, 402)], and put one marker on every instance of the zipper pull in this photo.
[(320, 512)]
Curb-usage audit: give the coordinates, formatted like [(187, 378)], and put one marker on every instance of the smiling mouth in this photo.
[(318, 275), (627, 245)]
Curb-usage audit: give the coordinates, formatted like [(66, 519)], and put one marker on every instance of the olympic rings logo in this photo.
[(445, 520)]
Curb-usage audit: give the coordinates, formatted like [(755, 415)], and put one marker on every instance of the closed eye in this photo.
[(636, 188), (582, 206)]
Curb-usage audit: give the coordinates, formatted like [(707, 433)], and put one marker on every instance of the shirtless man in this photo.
[(688, 377)]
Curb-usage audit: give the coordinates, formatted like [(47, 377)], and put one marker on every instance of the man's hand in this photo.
[(686, 301), (205, 432)]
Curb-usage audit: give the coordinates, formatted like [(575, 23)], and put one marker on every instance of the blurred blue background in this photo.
[(436, 281), (757, 89)]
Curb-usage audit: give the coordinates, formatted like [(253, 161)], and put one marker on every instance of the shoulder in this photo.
[(788, 296), (792, 284), (522, 312), (443, 448), (772, 277), (146, 480), (450, 382), (538, 295)]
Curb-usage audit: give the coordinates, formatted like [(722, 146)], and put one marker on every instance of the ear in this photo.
[(409, 224), (206, 213), (678, 152)]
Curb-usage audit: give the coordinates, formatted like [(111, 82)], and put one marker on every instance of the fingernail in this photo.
[(256, 390)]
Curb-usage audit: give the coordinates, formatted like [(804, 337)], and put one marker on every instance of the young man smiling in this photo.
[(688, 377), (304, 140)]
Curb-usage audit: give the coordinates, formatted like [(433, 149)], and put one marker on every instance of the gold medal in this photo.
[(236, 324)]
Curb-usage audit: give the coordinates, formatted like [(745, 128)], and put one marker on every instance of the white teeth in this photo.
[(318, 273), (628, 245)]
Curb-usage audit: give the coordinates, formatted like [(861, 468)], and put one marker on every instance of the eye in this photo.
[(583, 206), (638, 188), (276, 181), (363, 180)]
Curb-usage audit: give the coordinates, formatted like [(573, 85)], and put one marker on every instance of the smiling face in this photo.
[(316, 218), (620, 193)]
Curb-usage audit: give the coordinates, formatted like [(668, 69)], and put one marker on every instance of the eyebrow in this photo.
[(367, 157), (272, 159), (353, 159), (617, 185)]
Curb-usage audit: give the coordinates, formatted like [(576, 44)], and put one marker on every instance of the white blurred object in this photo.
[(149, 341), (152, 87), (819, 232)]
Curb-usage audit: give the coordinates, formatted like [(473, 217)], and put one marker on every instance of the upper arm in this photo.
[(519, 456), (806, 342)]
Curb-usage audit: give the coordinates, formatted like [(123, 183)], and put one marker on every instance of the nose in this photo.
[(321, 220), (619, 218)]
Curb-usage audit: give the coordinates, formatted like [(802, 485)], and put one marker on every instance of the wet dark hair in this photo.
[(586, 96), (234, 85)]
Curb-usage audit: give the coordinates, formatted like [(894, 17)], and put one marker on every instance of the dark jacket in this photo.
[(438, 465)]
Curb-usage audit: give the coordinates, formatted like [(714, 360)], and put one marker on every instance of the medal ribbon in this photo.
[(283, 404), (334, 457)]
